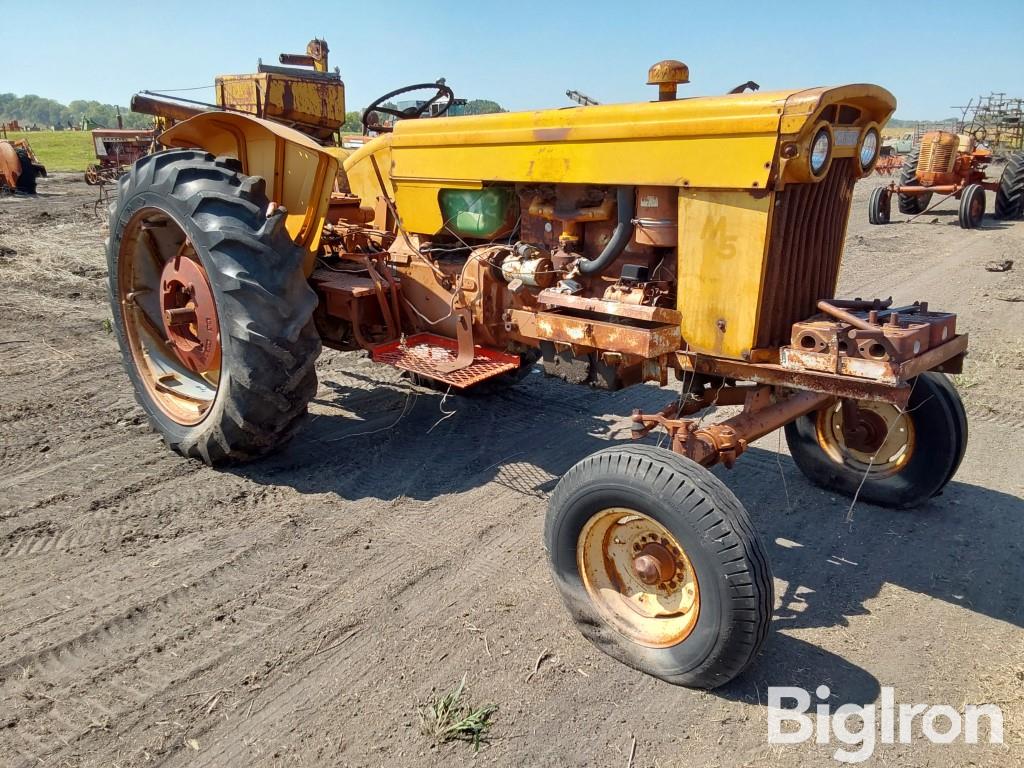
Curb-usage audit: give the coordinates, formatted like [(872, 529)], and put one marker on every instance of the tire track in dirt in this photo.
[(50, 661), (100, 456), (394, 537), (136, 657), (29, 458), (417, 600), (142, 550), (83, 596), (101, 514)]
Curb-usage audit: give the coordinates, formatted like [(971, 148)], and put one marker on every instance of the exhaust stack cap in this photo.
[(667, 75)]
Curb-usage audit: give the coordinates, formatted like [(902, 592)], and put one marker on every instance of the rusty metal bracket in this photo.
[(467, 350), (764, 411)]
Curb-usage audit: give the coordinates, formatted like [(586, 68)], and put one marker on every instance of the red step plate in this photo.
[(423, 352)]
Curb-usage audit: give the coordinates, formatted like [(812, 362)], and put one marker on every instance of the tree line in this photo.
[(353, 120), (44, 114)]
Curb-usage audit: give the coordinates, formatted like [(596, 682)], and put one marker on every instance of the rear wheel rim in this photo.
[(889, 441), (639, 577), (170, 316)]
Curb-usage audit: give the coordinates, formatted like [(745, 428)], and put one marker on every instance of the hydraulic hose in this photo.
[(625, 198)]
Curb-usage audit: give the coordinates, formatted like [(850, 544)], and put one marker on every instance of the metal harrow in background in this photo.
[(887, 165)]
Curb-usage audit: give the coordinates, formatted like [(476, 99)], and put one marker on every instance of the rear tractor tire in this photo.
[(213, 314), (912, 204), (907, 455), (1010, 195), (879, 206), (972, 206), (659, 566)]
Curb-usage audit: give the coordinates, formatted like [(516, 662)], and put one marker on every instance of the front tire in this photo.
[(914, 454), (879, 206), (972, 207), (659, 566), (232, 380)]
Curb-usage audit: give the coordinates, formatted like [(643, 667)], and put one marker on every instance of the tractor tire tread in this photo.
[(265, 303), (910, 204), (697, 495), (1010, 195)]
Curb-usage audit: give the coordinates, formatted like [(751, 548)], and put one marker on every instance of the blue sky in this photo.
[(523, 54)]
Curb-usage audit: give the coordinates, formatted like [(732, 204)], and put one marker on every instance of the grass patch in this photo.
[(448, 718), (60, 150)]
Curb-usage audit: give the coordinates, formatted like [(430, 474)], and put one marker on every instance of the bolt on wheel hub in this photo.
[(188, 311)]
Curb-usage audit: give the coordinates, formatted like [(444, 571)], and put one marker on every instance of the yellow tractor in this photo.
[(613, 245)]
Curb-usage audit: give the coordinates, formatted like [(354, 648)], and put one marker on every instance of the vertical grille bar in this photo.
[(806, 245)]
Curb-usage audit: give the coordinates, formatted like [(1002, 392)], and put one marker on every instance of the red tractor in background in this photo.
[(953, 165), (116, 150)]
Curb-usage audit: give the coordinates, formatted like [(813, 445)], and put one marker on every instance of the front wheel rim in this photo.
[(170, 316), (639, 577), (889, 443), (977, 207)]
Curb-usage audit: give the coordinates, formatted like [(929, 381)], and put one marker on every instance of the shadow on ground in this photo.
[(392, 440)]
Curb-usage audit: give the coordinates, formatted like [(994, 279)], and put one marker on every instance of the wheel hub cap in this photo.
[(188, 311), (639, 577), (654, 564), (882, 441), (868, 434)]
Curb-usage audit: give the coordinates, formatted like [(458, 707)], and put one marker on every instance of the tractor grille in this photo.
[(938, 153), (808, 225)]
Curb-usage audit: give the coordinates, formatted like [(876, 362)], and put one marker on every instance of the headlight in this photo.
[(868, 148), (821, 147)]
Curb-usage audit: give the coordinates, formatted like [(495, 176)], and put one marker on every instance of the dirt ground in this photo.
[(300, 609)]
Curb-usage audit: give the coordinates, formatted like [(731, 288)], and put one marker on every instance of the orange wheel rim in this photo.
[(977, 207), (639, 577), (170, 316), (887, 450)]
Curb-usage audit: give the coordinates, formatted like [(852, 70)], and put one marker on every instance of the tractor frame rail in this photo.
[(855, 351)]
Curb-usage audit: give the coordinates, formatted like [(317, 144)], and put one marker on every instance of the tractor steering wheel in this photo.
[(409, 113)]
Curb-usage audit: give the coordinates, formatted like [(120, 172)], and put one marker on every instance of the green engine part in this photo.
[(481, 214)]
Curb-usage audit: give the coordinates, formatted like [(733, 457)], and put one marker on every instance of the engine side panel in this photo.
[(722, 247)]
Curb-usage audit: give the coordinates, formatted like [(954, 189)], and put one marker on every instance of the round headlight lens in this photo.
[(869, 148), (820, 148)]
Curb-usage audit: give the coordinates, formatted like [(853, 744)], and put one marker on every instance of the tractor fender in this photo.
[(299, 173)]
